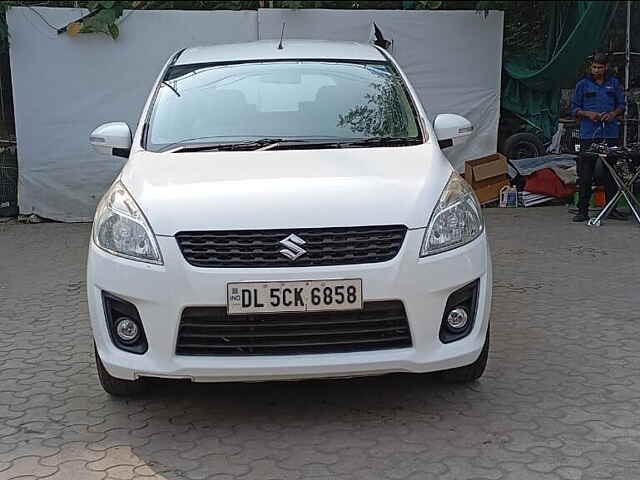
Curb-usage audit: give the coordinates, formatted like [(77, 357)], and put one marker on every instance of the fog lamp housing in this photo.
[(459, 313), (124, 324)]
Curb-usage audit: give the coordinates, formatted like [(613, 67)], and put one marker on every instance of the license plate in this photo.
[(302, 296)]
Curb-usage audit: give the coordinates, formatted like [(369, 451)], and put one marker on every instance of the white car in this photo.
[(286, 213)]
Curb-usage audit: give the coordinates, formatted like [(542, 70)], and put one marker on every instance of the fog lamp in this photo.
[(457, 319), (127, 329)]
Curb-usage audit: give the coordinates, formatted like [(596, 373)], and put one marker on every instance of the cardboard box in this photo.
[(487, 175)]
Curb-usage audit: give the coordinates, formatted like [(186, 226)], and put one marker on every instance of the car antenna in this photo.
[(281, 36)]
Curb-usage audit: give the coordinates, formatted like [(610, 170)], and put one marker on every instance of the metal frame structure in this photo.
[(624, 189), (627, 67)]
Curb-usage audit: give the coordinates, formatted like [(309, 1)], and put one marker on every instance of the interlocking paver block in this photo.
[(207, 446), (144, 470), (27, 466), (116, 456), (33, 447), (76, 470), (121, 472), (559, 400), (117, 437), (260, 469), (72, 451)]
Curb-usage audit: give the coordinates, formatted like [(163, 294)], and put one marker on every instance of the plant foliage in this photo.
[(523, 27)]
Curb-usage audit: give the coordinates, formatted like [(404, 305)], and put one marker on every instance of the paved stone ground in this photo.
[(560, 398)]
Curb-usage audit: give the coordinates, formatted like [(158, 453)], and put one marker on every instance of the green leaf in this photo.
[(88, 27), (107, 4), (292, 4), (429, 5), (92, 5), (99, 22), (114, 31), (107, 16), (118, 10)]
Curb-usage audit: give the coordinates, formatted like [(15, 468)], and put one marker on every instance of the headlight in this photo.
[(121, 229), (455, 221)]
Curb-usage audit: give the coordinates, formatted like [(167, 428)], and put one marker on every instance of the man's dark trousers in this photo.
[(586, 165)]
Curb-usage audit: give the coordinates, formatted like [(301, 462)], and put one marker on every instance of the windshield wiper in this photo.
[(273, 143), (383, 141), (260, 144), (201, 147)]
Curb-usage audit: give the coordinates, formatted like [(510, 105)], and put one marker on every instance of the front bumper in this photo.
[(160, 294)]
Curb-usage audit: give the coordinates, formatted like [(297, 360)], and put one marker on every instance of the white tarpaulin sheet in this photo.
[(66, 86)]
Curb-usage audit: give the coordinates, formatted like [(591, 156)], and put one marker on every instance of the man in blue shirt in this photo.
[(597, 102)]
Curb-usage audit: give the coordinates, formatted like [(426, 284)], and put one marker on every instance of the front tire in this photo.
[(118, 387), (471, 372)]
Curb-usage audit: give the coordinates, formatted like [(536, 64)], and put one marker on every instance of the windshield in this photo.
[(285, 100)]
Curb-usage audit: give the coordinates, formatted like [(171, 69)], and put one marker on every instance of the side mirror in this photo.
[(452, 129), (112, 138)]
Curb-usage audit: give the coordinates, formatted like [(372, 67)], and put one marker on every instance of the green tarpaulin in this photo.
[(531, 85)]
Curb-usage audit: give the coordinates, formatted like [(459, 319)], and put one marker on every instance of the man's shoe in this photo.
[(617, 215), (581, 217)]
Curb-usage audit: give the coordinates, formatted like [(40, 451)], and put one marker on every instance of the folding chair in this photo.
[(625, 170)]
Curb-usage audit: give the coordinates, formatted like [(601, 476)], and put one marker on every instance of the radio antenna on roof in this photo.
[(281, 36)]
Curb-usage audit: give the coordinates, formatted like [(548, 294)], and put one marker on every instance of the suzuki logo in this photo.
[(293, 250)]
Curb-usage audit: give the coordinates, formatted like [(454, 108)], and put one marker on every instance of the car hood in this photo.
[(287, 189)]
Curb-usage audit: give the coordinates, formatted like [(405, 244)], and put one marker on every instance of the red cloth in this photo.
[(546, 182)]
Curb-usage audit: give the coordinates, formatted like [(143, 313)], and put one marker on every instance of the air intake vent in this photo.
[(210, 331)]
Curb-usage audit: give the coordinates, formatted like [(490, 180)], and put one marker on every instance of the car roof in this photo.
[(268, 50)]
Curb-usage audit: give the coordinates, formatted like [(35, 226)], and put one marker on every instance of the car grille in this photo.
[(211, 331), (261, 248)]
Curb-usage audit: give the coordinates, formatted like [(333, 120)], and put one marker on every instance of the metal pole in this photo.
[(5, 127), (627, 67), (638, 120)]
